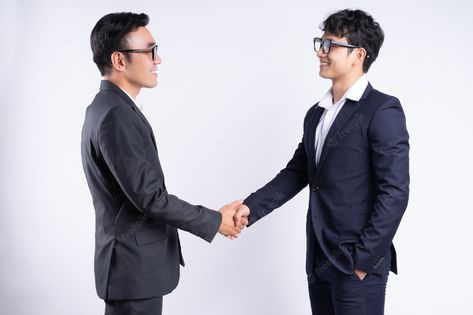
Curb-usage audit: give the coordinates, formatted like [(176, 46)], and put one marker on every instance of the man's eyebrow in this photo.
[(151, 44)]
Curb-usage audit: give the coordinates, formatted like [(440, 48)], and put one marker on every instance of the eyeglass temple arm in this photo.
[(344, 44)]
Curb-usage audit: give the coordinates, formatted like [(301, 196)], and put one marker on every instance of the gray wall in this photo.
[(236, 80)]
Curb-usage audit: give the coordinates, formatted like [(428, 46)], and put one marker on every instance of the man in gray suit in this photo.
[(137, 250)]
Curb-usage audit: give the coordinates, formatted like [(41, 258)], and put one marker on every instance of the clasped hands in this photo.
[(234, 219)]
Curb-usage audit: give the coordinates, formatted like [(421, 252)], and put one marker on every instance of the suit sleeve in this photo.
[(287, 183), (129, 154), (389, 141)]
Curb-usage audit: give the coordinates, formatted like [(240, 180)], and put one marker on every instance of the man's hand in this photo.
[(360, 274), (227, 227), (241, 217)]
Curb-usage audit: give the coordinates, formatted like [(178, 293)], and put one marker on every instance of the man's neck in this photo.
[(341, 85), (130, 89)]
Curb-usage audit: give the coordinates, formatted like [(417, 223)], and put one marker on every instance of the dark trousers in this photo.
[(152, 306), (335, 293)]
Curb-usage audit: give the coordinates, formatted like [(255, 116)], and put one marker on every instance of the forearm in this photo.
[(376, 238), (274, 194), (195, 219)]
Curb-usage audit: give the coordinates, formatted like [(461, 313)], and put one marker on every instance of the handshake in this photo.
[(234, 219)]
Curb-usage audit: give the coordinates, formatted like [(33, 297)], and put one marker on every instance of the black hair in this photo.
[(360, 29), (109, 35)]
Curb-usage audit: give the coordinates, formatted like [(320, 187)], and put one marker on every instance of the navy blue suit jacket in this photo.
[(359, 189)]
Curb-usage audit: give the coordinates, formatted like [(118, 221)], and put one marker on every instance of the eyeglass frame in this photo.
[(153, 50), (332, 43)]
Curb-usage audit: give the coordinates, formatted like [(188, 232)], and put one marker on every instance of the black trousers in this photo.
[(152, 306), (335, 293)]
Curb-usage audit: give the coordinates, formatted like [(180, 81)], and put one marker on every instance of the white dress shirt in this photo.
[(331, 111), (136, 101)]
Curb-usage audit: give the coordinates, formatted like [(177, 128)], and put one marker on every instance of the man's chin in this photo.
[(324, 75), (151, 84)]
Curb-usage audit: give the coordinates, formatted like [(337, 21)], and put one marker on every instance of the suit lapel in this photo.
[(139, 113), (107, 85), (311, 133), (335, 132)]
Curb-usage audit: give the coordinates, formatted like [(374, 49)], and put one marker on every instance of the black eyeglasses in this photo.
[(153, 50), (326, 44)]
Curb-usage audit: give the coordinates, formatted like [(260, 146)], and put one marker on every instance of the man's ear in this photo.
[(118, 61), (360, 55)]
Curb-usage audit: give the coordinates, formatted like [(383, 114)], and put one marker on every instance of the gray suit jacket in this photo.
[(137, 251)]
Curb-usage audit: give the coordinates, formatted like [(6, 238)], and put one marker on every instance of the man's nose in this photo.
[(157, 60), (320, 53)]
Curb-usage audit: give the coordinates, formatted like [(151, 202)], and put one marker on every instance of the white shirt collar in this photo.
[(354, 93), (136, 101)]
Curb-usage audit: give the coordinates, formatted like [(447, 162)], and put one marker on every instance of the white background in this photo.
[(236, 81)]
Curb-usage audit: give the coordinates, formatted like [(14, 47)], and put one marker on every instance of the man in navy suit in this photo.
[(354, 155)]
